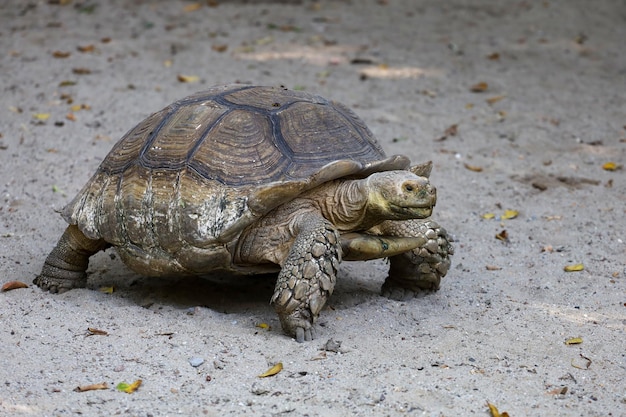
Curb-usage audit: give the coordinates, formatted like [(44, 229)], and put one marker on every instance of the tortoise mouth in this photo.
[(413, 212)]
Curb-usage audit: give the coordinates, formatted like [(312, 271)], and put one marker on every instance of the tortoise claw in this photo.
[(305, 335)]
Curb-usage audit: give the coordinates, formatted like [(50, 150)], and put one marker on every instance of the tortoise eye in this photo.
[(408, 187)]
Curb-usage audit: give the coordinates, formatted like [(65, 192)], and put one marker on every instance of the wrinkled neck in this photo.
[(343, 203)]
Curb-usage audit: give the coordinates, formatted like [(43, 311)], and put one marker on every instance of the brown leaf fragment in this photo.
[(494, 56), (539, 185), (91, 387), (558, 391), (105, 40), (480, 87), (452, 130), (493, 268), (495, 99), (61, 54), (81, 71), (96, 332), (503, 236), (220, 47), (13, 285), (86, 48), (474, 168), (585, 366)]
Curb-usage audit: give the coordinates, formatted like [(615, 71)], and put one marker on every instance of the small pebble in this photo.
[(195, 362)]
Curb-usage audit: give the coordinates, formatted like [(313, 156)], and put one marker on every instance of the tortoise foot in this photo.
[(60, 285), (300, 328), (65, 268)]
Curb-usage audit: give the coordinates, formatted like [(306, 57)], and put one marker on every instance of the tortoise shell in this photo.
[(196, 173)]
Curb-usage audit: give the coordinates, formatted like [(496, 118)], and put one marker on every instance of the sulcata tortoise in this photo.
[(254, 180)]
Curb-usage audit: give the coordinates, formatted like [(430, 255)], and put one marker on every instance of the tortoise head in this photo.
[(399, 195)]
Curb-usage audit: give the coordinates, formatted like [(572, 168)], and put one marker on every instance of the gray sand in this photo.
[(553, 113)]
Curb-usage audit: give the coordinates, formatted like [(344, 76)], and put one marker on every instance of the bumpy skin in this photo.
[(307, 277), (65, 267), (422, 268)]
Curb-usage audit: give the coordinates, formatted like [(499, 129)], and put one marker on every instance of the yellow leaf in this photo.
[(488, 216), (474, 168), (574, 268), (494, 410), (273, 370), (41, 116), (107, 290), (263, 326), (192, 7), (129, 388), (188, 78), (610, 166), (509, 214), (574, 341)]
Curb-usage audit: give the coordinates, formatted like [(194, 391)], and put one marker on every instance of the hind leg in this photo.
[(65, 268), (420, 269)]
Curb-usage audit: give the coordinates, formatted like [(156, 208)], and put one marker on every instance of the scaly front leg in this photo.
[(419, 269), (308, 276)]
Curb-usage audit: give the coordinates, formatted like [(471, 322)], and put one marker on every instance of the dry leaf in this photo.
[(473, 167), (494, 56), (86, 48), (488, 216), (77, 107), (452, 130), (219, 48), (479, 87), (493, 268), (96, 332), (188, 78), (558, 391), (41, 116), (13, 285), (610, 166), (129, 388), (494, 411), (92, 387), (583, 367), (493, 100), (61, 54), (273, 370), (574, 341), (81, 71), (192, 7), (107, 290), (70, 117), (503, 236), (509, 214), (574, 268), (264, 326)]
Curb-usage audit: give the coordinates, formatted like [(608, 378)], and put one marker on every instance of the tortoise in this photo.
[(253, 179)]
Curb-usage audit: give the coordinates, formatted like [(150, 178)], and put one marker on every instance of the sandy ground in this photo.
[(535, 138)]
